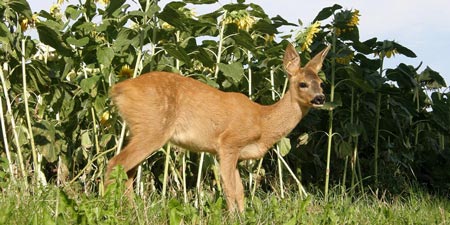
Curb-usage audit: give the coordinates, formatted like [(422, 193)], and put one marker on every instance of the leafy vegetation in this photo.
[(382, 129), (53, 205)]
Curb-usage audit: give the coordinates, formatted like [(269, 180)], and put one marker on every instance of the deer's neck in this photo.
[(281, 118)]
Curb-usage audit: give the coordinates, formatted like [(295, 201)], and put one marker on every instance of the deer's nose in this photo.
[(318, 100)]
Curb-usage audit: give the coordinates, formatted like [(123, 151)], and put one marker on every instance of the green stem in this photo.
[(377, 126), (417, 99), (299, 184), (139, 184), (377, 134), (154, 33), (258, 170), (361, 186), (89, 164), (36, 164), (166, 172), (184, 178), (250, 92), (330, 120), (280, 170), (14, 128), (121, 137), (355, 153), (219, 51), (97, 146), (352, 104), (94, 121), (249, 61), (199, 179), (5, 141), (344, 177)]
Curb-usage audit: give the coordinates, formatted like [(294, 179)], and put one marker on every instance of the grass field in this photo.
[(52, 205)]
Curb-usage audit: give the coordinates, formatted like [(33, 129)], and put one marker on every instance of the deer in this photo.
[(162, 107)]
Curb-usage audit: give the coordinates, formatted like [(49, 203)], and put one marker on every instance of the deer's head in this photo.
[(305, 84)]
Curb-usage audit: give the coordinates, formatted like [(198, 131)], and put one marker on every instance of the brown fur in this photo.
[(162, 107)]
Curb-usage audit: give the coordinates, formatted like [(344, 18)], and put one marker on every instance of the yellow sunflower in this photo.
[(345, 60), (103, 2), (345, 21), (269, 37), (307, 36), (241, 18), (126, 71), (354, 20), (104, 118), (389, 53), (24, 24), (55, 10)]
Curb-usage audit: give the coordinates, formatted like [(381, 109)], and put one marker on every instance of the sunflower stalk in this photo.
[(5, 142), (258, 170), (166, 172), (352, 104), (219, 50), (417, 100), (330, 114), (96, 142), (355, 152), (277, 147), (250, 92), (14, 128), (95, 134), (299, 184), (354, 158), (280, 170), (184, 178), (39, 176), (199, 179), (377, 125)]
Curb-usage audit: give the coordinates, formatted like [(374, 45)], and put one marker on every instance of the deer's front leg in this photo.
[(239, 191), (228, 163)]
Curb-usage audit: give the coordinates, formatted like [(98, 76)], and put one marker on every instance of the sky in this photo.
[(422, 26)]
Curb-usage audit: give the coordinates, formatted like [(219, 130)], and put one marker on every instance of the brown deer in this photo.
[(161, 107)]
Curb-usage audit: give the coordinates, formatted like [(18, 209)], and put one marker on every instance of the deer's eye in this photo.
[(303, 85)]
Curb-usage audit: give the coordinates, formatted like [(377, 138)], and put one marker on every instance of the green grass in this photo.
[(52, 205)]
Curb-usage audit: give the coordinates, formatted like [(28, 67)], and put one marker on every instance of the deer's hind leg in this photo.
[(140, 147), (239, 191)]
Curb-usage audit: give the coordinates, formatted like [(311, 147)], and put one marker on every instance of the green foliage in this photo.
[(85, 49), (62, 206)]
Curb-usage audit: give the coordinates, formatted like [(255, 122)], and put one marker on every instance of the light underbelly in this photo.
[(251, 151), (193, 142)]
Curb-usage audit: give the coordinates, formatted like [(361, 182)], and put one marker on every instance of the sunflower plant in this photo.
[(306, 36), (345, 22)]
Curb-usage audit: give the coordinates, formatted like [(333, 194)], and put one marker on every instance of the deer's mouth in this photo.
[(318, 101)]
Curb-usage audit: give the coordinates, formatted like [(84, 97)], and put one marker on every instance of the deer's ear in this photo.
[(316, 63), (291, 60)]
